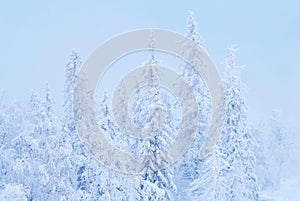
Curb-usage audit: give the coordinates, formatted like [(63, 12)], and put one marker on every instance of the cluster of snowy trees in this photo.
[(42, 157)]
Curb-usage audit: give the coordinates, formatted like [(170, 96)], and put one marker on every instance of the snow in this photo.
[(289, 190)]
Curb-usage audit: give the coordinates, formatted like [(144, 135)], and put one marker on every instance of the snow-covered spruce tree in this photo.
[(86, 170), (27, 153), (14, 121), (43, 117), (12, 126), (212, 184), (236, 138), (228, 172), (8, 153), (38, 153), (84, 173), (109, 184), (71, 70), (262, 161), (187, 167), (35, 114), (54, 169), (156, 183), (68, 124), (93, 180), (211, 181), (277, 149)]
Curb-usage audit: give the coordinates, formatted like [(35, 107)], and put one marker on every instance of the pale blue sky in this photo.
[(37, 37)]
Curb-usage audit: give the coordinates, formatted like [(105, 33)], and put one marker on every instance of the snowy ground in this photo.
[(289, 191)]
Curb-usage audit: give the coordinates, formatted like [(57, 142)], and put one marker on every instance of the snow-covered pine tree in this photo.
[(54, 170), (27, 151), (228, 172), (45, 124), (109, 184), (77, 160), (212, 184), (236, 138), (14, 121), (156, 183), (187, 168), (277, 149), (71, 70), (93, 180), (35, 114), (193, 33), (7, 152), (262, 160), (211, 181), (38, 154)]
